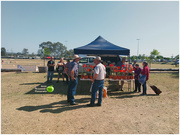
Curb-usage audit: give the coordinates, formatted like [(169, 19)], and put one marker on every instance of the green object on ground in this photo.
[(50, 88)]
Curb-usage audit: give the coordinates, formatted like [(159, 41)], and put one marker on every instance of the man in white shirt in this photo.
[(98, 82)]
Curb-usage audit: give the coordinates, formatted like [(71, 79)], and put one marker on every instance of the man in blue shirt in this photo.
[(73, 74)]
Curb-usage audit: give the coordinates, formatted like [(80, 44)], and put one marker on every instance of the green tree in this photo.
[(133, 58), (154, 53), (139, 57), (25, 51), (56, 49), (3, 51), (45, 52), (69, 54), (32, 54), (19, 53), (177, 57), (143, 57), (39, 52), (167, 58), (159, 57)]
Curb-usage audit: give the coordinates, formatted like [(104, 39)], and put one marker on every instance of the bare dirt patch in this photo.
[(26, 112)]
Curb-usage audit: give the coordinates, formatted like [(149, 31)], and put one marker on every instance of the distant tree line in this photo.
[(54, 49), (46, 49), (59, 50), (154, 56)]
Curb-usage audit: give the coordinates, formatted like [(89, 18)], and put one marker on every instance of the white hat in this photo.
[(76, 57), (98, 58)]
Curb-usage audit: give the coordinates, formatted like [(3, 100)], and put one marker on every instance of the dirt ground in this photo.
[(24, 111)]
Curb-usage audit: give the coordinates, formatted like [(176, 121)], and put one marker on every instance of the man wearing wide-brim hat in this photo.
[(98, 82), (73, 74)]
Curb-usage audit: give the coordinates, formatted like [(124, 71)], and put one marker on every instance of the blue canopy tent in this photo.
[(100, 46)]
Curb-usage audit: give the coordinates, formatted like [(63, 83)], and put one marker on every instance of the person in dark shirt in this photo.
[(50, 65), (136, 77)]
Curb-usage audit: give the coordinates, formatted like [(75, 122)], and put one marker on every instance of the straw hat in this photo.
[(77, 57), (98, 58)]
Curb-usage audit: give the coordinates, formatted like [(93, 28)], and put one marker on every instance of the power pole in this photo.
[(138, 47)]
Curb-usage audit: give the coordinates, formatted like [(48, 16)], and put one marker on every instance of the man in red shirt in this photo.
[(145, 71)]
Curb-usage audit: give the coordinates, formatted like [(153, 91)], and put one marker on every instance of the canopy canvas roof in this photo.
[(101, 46)]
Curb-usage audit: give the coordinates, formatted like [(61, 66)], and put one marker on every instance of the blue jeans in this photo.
[(144, 88), (97, 85), (50, 75), (72, 86)]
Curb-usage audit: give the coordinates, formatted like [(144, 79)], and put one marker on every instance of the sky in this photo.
[(77, 23)]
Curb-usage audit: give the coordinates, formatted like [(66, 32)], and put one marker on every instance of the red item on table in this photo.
[(84, 65)]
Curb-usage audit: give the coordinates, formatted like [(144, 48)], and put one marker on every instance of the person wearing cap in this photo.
[(98, 82), (73, 74), (50, 65), (136, 77), (145, 71)]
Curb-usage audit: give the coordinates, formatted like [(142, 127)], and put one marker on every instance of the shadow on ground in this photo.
[(56, 107), (175, 75), (61, 87), (121, 95)]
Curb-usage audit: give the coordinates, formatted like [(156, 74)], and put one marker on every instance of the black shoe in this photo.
[(57, 81), (98, 104), (68, 101), (143, 94), (91, 105), (63, 81), (139, 91), (135, 91), (121, 90), (73, 103)]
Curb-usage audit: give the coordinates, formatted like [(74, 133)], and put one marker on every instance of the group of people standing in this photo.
[(71, 71), (137, 72), (61, 65)]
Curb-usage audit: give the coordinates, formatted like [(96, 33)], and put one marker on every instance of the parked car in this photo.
[(89, 60)]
